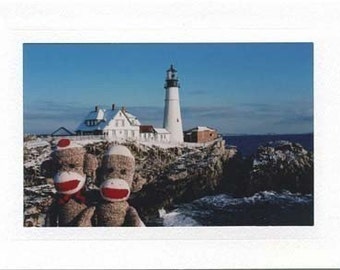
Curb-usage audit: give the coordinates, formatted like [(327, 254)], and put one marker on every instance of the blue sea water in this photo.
[(247, 144), (266, 208)]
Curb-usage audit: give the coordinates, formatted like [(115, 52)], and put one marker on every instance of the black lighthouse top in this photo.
[(171, 78)]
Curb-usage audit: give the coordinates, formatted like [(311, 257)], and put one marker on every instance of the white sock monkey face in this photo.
[(115, 190), (68, 182)]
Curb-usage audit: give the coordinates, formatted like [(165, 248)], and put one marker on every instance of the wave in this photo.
[(263, 208)]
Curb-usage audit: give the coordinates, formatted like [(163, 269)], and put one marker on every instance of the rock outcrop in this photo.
[(275, 166), (282, 165)]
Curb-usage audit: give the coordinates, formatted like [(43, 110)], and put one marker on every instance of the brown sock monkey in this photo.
[(67, 165), (116, 177)]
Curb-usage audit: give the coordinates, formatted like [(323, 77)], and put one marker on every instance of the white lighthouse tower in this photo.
[(172, 111)]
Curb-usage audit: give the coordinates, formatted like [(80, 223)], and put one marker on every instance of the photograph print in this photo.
[(168, 134)]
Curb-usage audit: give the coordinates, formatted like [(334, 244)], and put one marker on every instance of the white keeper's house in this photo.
[(120, 125), (113, 123)]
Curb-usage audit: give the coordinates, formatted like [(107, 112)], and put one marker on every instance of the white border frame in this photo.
[(193, 21)]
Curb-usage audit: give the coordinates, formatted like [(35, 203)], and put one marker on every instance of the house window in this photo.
[(123, 123)]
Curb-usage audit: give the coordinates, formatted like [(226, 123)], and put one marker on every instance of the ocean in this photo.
[(266, 208)]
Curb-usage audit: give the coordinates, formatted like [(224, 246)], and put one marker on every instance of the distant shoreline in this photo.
[(269, 134), (247, 144)]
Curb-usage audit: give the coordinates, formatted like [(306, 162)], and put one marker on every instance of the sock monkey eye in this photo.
[(110, 170), (72, 166), (123, 171)]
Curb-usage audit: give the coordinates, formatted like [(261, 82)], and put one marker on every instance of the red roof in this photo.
[(146, 129)]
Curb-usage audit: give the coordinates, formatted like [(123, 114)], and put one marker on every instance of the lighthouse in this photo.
[(172, 110)]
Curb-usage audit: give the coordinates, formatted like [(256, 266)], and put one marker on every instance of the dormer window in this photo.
[(90, 123)]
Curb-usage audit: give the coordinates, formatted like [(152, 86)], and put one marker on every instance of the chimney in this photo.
[(113, 107), (96, 108)]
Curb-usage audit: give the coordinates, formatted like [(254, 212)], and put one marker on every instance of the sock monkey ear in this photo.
[(90, 165), (137, 183)]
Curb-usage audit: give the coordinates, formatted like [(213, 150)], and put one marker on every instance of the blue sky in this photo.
[(252, 88)]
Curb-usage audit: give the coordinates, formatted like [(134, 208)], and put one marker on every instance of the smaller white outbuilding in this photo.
[(150, 134), (162, 135)]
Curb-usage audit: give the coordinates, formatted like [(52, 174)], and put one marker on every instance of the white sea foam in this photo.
[(178, 219)]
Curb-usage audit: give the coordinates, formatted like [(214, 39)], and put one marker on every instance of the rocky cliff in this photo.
[(170, 175), (176, 175)]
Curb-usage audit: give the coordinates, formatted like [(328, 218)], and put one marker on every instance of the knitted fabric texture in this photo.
[(71, 159), (69, 207), (68, 213), (78, 197), (90, 164), (110, 214), (117, 166)]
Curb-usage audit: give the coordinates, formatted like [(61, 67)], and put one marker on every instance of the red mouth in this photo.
[(66, 186), (115, 193)]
